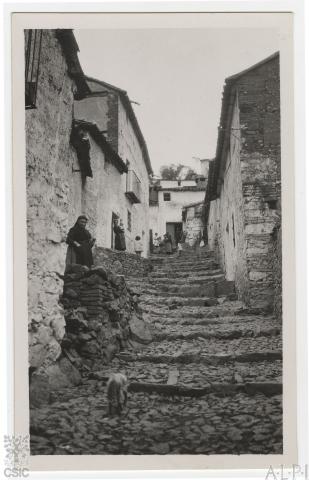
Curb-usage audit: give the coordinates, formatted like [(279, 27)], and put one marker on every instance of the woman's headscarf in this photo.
[(78, 227)]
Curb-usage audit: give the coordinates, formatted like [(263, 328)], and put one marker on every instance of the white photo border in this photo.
[(301, 212)]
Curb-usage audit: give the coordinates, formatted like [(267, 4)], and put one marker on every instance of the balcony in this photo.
[(153, 196), (134, 187)]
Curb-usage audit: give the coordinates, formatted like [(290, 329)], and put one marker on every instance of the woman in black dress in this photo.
[(168, 243), (120, 240), (80, 244)]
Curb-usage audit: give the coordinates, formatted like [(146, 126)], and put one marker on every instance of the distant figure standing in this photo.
[(198, 243), (182, 241), (168, 243), (80, 244), (138, 245), (120, 241), (156, 243), (205, 236)]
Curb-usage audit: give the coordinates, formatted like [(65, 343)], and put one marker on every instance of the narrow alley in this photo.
[(154, 247), (209, 382)]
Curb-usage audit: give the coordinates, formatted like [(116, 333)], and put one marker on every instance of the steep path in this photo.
[(208, 383)]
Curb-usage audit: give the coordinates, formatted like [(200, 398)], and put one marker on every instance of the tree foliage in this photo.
[(172, 172)]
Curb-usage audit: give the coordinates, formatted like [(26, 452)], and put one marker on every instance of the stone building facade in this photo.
[(73, 167), (124, 196), (167, 199), (94, 193), (243, 198), (50, 157)]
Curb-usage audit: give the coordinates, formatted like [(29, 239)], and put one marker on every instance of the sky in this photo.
[(177, 77)]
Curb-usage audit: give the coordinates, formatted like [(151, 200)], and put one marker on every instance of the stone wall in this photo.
[(193, 224), (124, 263), (276, 255), (98, 308), (101, 318), (214, 230), (57, 193), (50, 209), (259, 101), (248, 207), (260, 221), (226, 216)]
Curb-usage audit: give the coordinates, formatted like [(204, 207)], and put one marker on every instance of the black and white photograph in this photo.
[(154, 240)]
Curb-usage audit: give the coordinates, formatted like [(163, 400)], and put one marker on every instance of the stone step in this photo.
[(155, 287), (183, 279), (190, 255), (217, 310), (191, 280), (220, 389), (208, 289), (185, 273), (180, 277), (181, 388), (206, 359), (213, 288), (214, 346), (228, 334), (186, 267), (199, 375), (171, 301), (224, 327), (222, 322), (175, 257), (220, 310)]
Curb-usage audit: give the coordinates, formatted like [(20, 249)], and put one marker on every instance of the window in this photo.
[(134, 190), (167, 196), (129, 221), (272, 204), (33, 42)]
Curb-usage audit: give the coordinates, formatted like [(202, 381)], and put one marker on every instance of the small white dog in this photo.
[(117, 393)]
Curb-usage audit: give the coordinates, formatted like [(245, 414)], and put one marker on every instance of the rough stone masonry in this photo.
[(102, 318), (244, 188)]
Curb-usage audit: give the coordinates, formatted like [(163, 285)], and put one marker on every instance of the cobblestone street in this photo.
[(210, 382)]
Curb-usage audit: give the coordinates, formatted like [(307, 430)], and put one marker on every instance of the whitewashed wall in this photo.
[(171, 211)]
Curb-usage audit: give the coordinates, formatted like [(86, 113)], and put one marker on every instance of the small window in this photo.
[(272, 204), (167, 196), (33, 42), (129, 221)]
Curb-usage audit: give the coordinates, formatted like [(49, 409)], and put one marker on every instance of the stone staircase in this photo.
[(209, 382), (213, 344)]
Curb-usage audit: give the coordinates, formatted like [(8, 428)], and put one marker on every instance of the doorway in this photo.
[(175, 230), (114, 217), (151, 241)]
